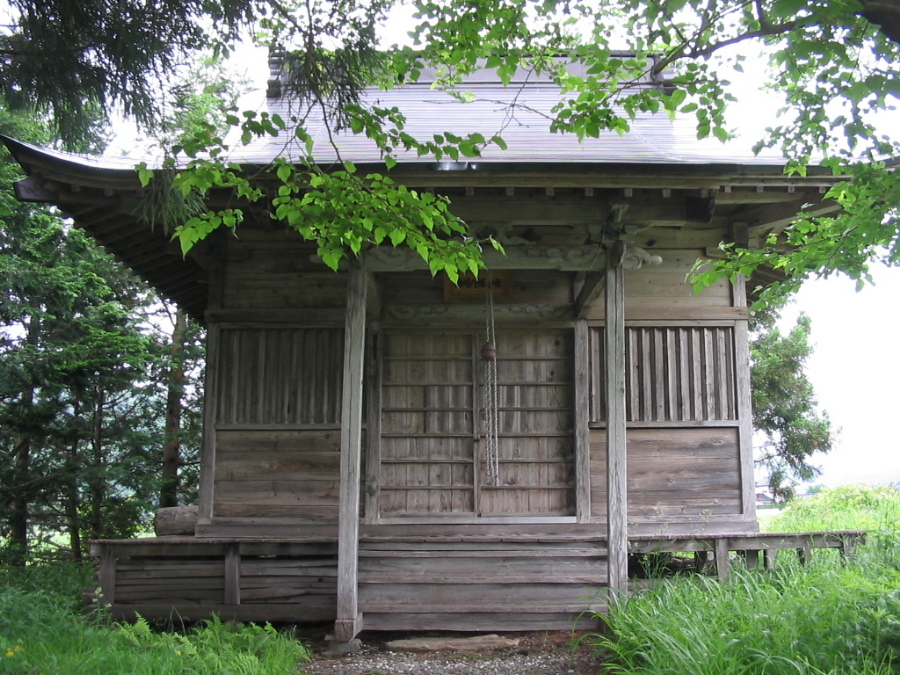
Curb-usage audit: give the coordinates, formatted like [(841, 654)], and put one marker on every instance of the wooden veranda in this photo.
[(465, 579)]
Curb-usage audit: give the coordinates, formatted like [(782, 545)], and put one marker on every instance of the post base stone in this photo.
[(350, 647)]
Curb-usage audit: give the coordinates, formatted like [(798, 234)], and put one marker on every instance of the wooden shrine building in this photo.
[(349, 472)]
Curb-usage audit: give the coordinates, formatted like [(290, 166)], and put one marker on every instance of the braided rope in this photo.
[(492, 395)]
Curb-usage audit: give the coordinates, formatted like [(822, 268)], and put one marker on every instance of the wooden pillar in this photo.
[(744, 404), (106, 575), (616, 473), (751, 558), (582, 420), (723, 565), (349, 620), (211, 384), (233, 574)]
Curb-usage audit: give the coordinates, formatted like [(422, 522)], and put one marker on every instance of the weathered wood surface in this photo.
[(352, 404), (434, 581), (279, 274), (432, 411), (211, 384), (529, 287), (477, 621), (673, 374), (616, 472), (582, 420), (279, 375), (175, 520), (663, 293), (407, 579), (372, 480), (271, 473), (514, 257), (744, 402), (674, 472)]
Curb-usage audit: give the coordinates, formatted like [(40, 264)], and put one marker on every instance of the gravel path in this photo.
[(536, 654)]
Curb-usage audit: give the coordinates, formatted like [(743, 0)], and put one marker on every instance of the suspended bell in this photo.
[(488, 352)]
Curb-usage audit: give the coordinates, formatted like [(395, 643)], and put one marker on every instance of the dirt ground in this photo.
[(543, 653)]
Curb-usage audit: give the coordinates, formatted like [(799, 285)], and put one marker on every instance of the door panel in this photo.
[(433, 413)]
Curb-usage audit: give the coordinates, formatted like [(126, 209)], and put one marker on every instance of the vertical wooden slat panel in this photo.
[(282, 376), (676, 374), (633, 373), (294, 373), (373, 429), (730, 370)]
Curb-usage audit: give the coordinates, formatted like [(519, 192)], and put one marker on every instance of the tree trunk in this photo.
[(171, 459), (885, 14), (18, 513), (72, 499), (97, 485)]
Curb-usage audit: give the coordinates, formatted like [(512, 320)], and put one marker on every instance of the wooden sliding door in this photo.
[(434, 407)]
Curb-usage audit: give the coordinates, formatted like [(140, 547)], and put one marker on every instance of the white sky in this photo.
[(855, 367), (855, 370)]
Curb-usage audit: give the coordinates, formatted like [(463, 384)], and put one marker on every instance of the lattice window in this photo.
[(673, 374)]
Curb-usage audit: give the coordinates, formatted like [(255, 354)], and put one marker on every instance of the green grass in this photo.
[(822, 619), (42, 631)]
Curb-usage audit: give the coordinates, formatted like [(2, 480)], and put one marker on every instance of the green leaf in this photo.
[(397, 236)]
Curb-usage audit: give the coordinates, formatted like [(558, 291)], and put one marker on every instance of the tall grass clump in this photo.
[(44, 632), (824, 618)]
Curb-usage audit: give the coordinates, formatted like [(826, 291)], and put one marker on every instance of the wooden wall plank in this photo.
[(674, 472)]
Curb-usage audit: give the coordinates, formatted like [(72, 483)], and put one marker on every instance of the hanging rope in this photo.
[(491, 392)]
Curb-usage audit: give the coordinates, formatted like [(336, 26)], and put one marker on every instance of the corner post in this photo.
[(211, 385), (349, 620), (744, 402), (582, 421), (616, 473)]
